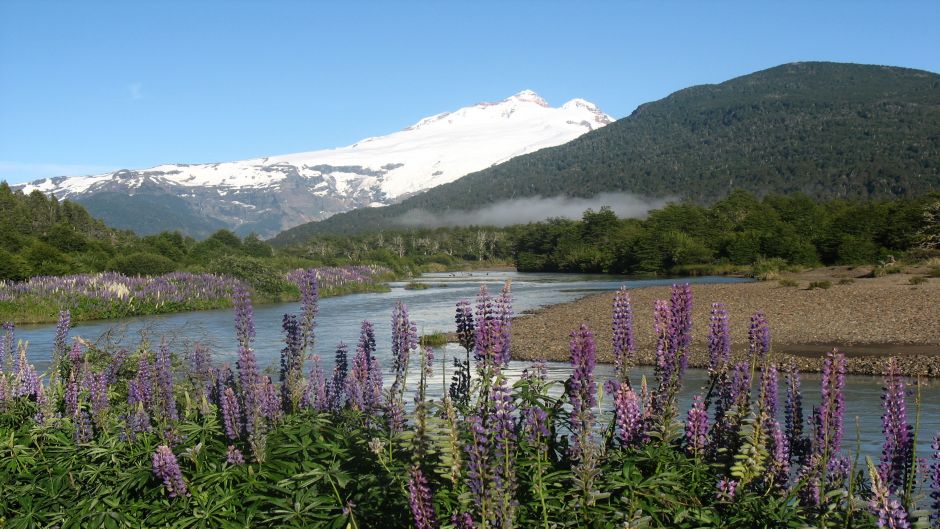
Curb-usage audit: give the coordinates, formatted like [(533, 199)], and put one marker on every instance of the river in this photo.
[(432, 309)]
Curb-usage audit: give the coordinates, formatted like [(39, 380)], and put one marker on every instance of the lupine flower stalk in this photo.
[(309, 303), (478, 469), (758, 339), (404, 340), (315, 394), (292, 360), (898, 450), (249, 378), (59, 346), (167, 469), (98, 395), (793, 415), (8, 348), (364, 383), (629, 416), (719, 340), (889, 511), (420, 500), (231, 415), (336, 389), (503, 458), (623, 342), (933, 479), (233, 456), (680, 324), (164, 379), (696, 428)]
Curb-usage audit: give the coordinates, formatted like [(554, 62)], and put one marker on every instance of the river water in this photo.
[(432, 309)]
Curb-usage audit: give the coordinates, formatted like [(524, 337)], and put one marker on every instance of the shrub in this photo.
[(819, 284), (142, 264), (766, 269), (256, 272), (788, 283), (917, 280), (414, 285), (934, 272), (846, 281)]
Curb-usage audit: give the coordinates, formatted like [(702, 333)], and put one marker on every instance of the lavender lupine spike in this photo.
[(681, 325), (793, 415), (726, 489), (504, 313), (780, 451), (336, 389), (270, 400), (758, 338), (231, 415), (629, 417), (719, 340), (244, 317), (462, 520), (139, 398), (582, 390), (309, 302), (665, 361), (623, 342), (489, 334), (116, 364), (71, 396), (829, 417), (897, 461), (503, 473), (164, 376), (8, 347), (696, 428), (465, 326), (292, 360), (167, 469), (404, 341), (315, 395), (98, 395), (84, 431), (890, 512), (420, 500), (200, 370), (478, 471), (59, 346), (364, 383), (75, 354)]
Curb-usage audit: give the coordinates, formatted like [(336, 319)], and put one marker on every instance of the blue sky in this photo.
[(94, 86)]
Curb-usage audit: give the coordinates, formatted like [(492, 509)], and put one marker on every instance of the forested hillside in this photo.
[(828, 130)]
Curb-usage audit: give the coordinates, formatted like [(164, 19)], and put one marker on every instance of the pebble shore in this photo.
[(870, 319)]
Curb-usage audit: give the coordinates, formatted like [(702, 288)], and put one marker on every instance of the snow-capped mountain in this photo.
[(267, 195)]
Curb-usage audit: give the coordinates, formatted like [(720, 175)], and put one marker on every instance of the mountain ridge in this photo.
[(829, 130), (269, 194)]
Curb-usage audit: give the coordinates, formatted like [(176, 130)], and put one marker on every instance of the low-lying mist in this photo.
[(533, 209)]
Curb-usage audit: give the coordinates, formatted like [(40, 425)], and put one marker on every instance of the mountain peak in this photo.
[(528, 96)]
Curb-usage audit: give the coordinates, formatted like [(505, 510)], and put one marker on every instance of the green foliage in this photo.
[(831, 131), (819, 284), (917, 280), (256, 272), (142, 264)]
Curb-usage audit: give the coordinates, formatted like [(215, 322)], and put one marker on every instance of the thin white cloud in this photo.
[(135, 90), (21, 172)]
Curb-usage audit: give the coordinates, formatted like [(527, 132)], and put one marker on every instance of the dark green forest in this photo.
[(41, 235), (827, 130)]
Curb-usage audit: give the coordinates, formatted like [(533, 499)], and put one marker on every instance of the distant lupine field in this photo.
[(114, 295), (161, 438)]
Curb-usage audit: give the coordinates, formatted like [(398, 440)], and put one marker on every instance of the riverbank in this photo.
[(869, 318)]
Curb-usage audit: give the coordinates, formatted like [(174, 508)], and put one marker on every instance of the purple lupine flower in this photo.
[(164, 379), (462, 520), (680, 324), (315, 394), (504, 313), (167, 469), (535, 426), (71, 396), (98, 395), (667, 366), (934, 480), (8, 347), (59, 346), (200, 370), (891, 514), (768, 383), (231, 415), (404, 341), (758, 338), (478, 472), (793, 415), (696, 427), (309, 299), (139, 398), (582, 390), (741, 384), (780, 452), (336, 389), (116, 364), (726, 489), (623, 343), (465, 327), (829, 416), (270, 400), (75, 354), (629, 416), (422, 506), (233, 456), (897, 461), (84, 431), (248, 385), (244, 317), (719, 340), (490, 340), (502, 426), (364, 383), (292, 359)]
